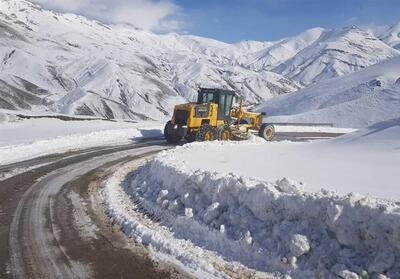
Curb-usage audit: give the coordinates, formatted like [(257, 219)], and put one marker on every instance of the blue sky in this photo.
[(234, 20)]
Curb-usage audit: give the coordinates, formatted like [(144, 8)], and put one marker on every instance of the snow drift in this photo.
[(277, 227)]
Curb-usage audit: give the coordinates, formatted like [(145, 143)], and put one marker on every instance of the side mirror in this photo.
[(263, 114)]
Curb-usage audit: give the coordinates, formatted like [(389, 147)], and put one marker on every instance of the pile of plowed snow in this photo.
[(273, 225)]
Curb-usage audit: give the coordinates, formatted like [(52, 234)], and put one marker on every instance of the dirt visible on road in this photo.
[(68, 211), (109, 242)]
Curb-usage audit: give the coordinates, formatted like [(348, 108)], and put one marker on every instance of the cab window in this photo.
[(228, 104), (205, 98)]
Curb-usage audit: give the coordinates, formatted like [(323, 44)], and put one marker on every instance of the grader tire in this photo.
[(172, 135), (190, 137), (267, 131), (224, 132), (206, 133)]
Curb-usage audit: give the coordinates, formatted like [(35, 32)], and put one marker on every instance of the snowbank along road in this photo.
[(265, 225), (52, 223)]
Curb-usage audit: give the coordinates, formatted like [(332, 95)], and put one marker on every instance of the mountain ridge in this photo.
[(69, 64)]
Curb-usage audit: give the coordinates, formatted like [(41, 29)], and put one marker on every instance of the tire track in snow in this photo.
[(31, 229)]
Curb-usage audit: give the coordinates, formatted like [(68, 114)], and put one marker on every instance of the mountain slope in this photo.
[(336, 53), (355, 100), (318, 54), (278, 53), (67, 63), (391, 36), (70, 64)]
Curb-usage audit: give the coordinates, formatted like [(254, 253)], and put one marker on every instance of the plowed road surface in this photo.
[(53, 225)]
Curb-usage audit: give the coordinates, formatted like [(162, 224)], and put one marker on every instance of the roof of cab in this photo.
[(216, 90)]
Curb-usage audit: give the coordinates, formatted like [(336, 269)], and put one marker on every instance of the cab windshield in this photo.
[(205, 98)]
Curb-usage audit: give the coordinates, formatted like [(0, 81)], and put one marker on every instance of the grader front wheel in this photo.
[(206, 133), (190, 137), (172, 133), (267, 132)]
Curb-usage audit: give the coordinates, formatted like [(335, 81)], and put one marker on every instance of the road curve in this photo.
[(52, 223)]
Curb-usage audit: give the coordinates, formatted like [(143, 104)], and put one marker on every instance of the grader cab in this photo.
[(214, 118)]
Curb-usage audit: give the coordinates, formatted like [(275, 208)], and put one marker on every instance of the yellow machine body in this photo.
[(194, 120), (255, 119), (213, 117)]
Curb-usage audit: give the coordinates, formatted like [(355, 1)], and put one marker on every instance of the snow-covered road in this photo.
[(56, 227)]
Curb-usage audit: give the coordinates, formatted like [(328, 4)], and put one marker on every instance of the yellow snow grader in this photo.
[(214, 118)]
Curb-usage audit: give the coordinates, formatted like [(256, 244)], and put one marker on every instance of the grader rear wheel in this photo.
[(206, 133), (224, 132)]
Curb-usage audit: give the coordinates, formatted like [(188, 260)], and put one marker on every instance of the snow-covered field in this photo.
[(261, 205), (340, 165), (310, 129), (30, 138)]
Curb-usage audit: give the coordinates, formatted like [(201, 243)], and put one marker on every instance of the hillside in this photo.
[(64, 63), (69, 64), (391, 35), (281, 51), (336, 53), (356, 100)]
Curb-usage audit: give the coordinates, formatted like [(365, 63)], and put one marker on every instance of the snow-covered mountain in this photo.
[(336, 53), (69, 64), (281, 51), (356, 100), (319, 54), (391, 36)]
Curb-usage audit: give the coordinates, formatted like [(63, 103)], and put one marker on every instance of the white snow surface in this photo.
[(356, 100), (310, 129), (163, 244), (245, 202), (335, 53), (356, 162), (30, 138), (391, 35)]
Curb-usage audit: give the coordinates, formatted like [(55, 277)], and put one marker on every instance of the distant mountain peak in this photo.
[(65, 62), (336, 52)]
